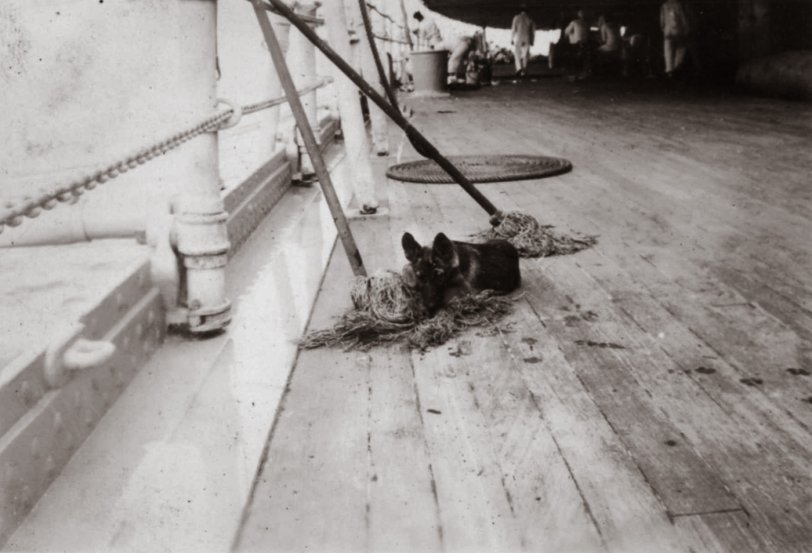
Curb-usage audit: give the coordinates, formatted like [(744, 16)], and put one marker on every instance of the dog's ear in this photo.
[(443, 251), (411, 248)]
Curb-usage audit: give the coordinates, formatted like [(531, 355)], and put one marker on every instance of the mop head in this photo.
[(531, 238), (386, 311)]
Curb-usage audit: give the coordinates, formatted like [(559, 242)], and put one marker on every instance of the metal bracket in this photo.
[(72, 352), (236, 114)]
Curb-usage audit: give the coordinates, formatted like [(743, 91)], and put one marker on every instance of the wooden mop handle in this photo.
[(420, 143)]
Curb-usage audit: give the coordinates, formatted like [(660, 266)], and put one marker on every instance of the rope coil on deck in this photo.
[(481, 168), (385, 311), (13, 212)]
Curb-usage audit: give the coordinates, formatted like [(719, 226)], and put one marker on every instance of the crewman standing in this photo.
[(522, 36), (428, 35)]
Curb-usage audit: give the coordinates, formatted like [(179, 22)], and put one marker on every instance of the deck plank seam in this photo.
[(537, 405), (734, 364), (741, 509), (433, 481), (730, 359)]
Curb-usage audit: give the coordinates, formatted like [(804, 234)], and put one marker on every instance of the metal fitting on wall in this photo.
[(202, 243)]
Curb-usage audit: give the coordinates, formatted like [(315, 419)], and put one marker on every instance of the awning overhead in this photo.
[(546, 13)]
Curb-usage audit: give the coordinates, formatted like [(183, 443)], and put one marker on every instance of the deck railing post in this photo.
[(301, 59), (349, 107), (378, 120), (246, 76), (200, 234)]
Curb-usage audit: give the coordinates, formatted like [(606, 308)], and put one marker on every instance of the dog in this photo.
[(448, 268)]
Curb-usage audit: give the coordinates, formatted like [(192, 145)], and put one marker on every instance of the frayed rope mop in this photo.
[(387, 311)]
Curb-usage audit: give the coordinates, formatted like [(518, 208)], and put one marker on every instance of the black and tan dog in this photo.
[(449, 268)]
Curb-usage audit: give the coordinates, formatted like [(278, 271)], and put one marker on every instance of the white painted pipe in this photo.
[(247, 76), (349, 106), (301, 59), (364, 58)]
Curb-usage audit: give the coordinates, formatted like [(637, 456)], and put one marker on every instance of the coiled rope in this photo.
[(388, 311)]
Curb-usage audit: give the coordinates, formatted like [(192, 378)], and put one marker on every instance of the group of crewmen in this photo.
[(576, 41), (676, 24)]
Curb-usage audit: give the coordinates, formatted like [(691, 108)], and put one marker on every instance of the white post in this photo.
[(200, 220), (301, 60), (247, 76), (380, 128), (86, 90), (69, 115), (364, 58), (349, 106)]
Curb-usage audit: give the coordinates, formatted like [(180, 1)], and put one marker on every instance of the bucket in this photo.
[(430, 70)]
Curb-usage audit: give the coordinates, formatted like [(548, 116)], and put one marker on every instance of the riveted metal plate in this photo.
[(21, 386), (40, 440)]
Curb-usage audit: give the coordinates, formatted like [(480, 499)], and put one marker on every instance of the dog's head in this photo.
[(430, 270)]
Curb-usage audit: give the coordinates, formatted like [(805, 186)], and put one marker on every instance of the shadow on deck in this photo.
[(651, 393)]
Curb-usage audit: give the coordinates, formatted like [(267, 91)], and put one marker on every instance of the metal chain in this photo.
[(13, 213), (259, 106)]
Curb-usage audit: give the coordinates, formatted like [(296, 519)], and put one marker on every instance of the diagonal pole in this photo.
[(320, 168)]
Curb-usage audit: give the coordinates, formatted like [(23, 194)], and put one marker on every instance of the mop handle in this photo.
[(420, 143)]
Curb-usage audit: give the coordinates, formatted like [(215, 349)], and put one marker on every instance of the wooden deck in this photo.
[(650, 394)]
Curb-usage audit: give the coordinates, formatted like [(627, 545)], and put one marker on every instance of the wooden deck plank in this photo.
[(691, 353), (696, 360), (403, 511), (500, 394), (792, 469), (628, 513), (790, 475), (759, 344), (778, 489), (640, 168), (474, 508), (521, 436), (723, 532), (775, 490), (506, 442), (686, 484), (347, 457), (681, 478)]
